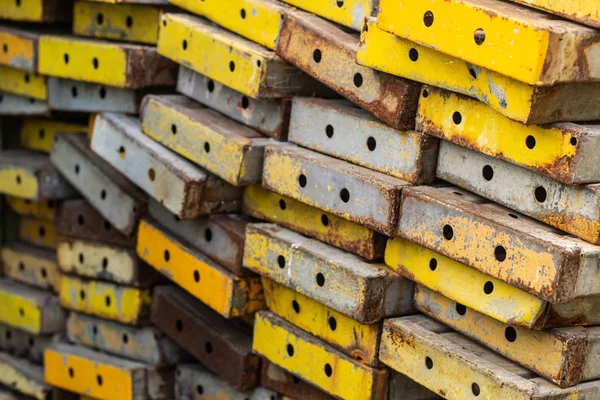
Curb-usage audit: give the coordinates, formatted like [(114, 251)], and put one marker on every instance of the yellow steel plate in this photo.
[(583, 11), (30, 10), (31, 266), (548, 150), (79, 374), (38, 134), (23, 83), (37, 231), (360, 341), (19, 182), (350, 236), (127, 22), (314, 361), (20, 311), (83, 60), (235, 296), (519, 101), (18, 49), (350, 13), (44, 209), (257, 20), (105, 300), (464, 284), (518, 42)]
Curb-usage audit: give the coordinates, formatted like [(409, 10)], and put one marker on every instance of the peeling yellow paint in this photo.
[(43, 209), (350, 13), (30, 268), (18, 51), (38, 232)]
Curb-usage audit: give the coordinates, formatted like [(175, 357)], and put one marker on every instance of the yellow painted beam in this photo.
[(38, 232), (31, 265), (197, 274), (350, 13), (126, 22), (519, 42), (315, 361), (359, 341), (19, 48), (24, 377), (44, 209), (583, 11), (38, 134), (36, 10), (516, 100), (127, 305), (23, 83), (326, 227)]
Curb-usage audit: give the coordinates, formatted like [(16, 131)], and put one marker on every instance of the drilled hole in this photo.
[(21, 312), (18, 179), (245, 102), (44, 273), (328, 370), (510, 334), (324, 220), (71, 372), (530, 142), (174, 129), (332, 323), (207, 147), (282, 204), (358, 79), (479, 36), (99, 380), (80, 219), (448, 232), (210, 86), (122, 152), (26, 77), (371, 143), (125, 338), (500, 253), (513, 216), (457, 117), (8, 335), (302, 180), (208, 235), (345, 195), (281, 261), (428, 363), (100, 19), (433, 264), (290, 350), (488, 287), (296, 306), (105, 263), (81, 258), (413, 54), (231, 66), (66, 58), (243, 13), (82, 294), (179, 325), (320, 279), (102, 93), (167, 255), (428, 19), (129, 21), (425, 93), (107, 301), (540, 194), (208, 347), (73, 91), (475, 389), (329, 131), (151, 174), (487, 172), (107, 226), (21, 266), (199, 389), (184, 44), (42, 133), (317, 56), (103, 194), (573, 141), (460, 309), (196, 276), (31, 342), (5, 48), (340, 3), (42, 231), (95, 63)]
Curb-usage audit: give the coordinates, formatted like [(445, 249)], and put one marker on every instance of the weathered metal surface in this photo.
[(38, 134), (365, 292), (23, 83), (78, 219), (23, 376), (102, 376), (574, 209), (95, 179), (500, 242), (78, 96), (268, 116), (38, 232), (357, 340), (583, 11), (37, 10), (350, 13), (220, 237), (31, 310), (125, 22), (484, 293), (181, 186), (14, 105), (257, 20), (224, 147), (106, 300), (341, 130), (231, 60), (97, 260), (19, 48), (219, 344), (565, 152), (20, 343), (281, 381), (522, 43), (352, 192), (110, 63), (339, 232), (315, 361), (148, 345), (195, 382), (565, 356), (43, 209), (327, 53), (197, 274), (403, 388), (31, 265), (518, 101), (30, 175)]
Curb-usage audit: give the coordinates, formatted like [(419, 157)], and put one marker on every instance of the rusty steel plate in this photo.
[(315, 361), (148, 344), (358, 194), (349, 13), (220, 237), (95, 179), (32, 265), (328, 54), (340, 129), (263, 204), (223, 147), (574, 209), (268, 116), (78, 219), (221, 345), (184, 188), (453, 222), (565, 356), (342, 281), (565, 152)]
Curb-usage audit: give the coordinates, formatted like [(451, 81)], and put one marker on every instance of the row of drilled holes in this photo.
[(357, 79), (210, 86), (540, 193), (499, 251), (124, 337), (107, 299), (488, 287), (331, 321), (196, 273), (475, 389), (344, 193), (208, 235), (101, 92), (43, 271), (371, 141), (174, 132), (184, 46), (81, 222), (8, 335), (510, 333), (100, 20), (324, 218), (478, 36), (99, 379), (319, 277), (95, 62), (102, 192), (104, 261), (327, 368)]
